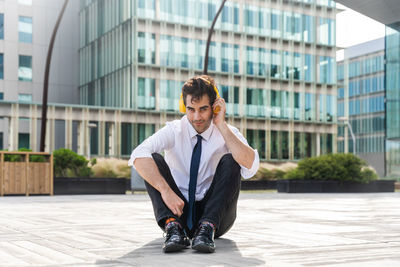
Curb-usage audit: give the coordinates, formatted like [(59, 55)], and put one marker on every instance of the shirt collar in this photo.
[(205, 135)]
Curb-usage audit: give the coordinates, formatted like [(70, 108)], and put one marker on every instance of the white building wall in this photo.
[(64, 72)]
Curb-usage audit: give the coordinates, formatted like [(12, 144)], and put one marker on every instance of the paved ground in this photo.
[(271, 230)]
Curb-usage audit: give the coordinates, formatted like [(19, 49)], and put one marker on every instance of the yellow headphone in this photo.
[(182, 107)]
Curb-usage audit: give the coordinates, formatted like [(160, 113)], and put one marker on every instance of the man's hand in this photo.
[(219, 105), (147, 168), (173, 202)]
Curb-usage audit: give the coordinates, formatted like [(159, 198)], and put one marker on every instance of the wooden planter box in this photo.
[(25, 177), (87, 186), (257, 185), (332, 186)]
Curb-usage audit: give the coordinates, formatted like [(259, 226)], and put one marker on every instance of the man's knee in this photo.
[(157, 157), (227, 161)]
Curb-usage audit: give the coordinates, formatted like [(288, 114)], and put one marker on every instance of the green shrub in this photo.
[(33, 158), (342, 167), (69, 164), (278, 174), (18, 158), (265, 174)]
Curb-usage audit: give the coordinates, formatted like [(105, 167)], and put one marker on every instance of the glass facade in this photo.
[(392, 51), (25, 68), (270, 63), (361, 99), (25, 29)]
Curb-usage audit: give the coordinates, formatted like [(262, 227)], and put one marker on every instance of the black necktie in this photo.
[(194, 170)]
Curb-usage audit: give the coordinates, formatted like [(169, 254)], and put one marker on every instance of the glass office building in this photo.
[(361, 92), (273, 61), (392, 49)]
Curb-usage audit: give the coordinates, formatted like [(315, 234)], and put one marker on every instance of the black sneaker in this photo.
[(175, 239), (203, 239)]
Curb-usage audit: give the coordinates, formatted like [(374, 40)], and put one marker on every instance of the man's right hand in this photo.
[(173, 202)]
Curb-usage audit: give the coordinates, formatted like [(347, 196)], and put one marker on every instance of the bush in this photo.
[(111, 167), (265, 174), (18, 158), (33, 158), (342, 167), (69, 164)]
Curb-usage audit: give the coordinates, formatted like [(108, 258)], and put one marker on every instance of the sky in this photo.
[(354, 28)]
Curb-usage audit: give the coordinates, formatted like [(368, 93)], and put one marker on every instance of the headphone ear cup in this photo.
[(182, 107)]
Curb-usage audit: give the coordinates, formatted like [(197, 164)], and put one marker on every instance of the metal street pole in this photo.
[(46, 79), (210, 32), (353, 137)]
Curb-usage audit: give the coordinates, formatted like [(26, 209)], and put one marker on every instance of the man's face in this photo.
[(199, 112)]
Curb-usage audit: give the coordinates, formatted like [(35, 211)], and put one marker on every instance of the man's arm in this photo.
[(242, 153), (148, 169)]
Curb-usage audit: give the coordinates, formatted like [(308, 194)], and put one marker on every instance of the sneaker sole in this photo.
[(203, 248), (173, 248)]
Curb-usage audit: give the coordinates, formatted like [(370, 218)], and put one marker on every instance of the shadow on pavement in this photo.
[(226, 254)]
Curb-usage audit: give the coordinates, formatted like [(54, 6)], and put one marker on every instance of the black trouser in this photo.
[(218, 205)]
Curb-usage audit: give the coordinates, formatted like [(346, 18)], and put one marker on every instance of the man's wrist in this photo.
[(163, 188)]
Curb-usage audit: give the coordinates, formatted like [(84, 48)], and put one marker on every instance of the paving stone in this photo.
[(271, 230)]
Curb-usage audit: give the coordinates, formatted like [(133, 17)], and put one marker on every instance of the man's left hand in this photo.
[(220, 107)]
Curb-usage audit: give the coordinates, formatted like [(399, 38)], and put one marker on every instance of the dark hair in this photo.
[(199, 86)]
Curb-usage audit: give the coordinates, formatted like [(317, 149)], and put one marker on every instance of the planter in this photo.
[(257, 185), (331, 186), (83, 186), (26, 177)]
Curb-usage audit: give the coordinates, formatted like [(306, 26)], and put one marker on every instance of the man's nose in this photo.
[(197, 115)]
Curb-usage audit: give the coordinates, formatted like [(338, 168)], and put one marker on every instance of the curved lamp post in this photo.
[(347, 123), (209, 36), (46, 79)]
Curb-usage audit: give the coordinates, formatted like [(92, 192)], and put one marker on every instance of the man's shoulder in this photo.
[(176, 125)]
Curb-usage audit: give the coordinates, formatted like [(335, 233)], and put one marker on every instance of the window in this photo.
[(256, 102), (308, 29), (256, 139), (146, 93), (146, 48), (1, 67), (23, 140), (24, 97), (309, 66), (169, 94), (1, 96), (25, 68), (326, 31), (231, 96), (25, 29), (1, 26)]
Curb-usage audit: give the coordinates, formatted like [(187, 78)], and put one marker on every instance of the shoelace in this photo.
[(173, 230), (206, 230)]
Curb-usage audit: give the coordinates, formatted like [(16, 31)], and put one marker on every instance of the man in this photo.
[(194, 191)]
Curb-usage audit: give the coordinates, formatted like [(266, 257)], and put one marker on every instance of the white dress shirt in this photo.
[(177, 139)]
